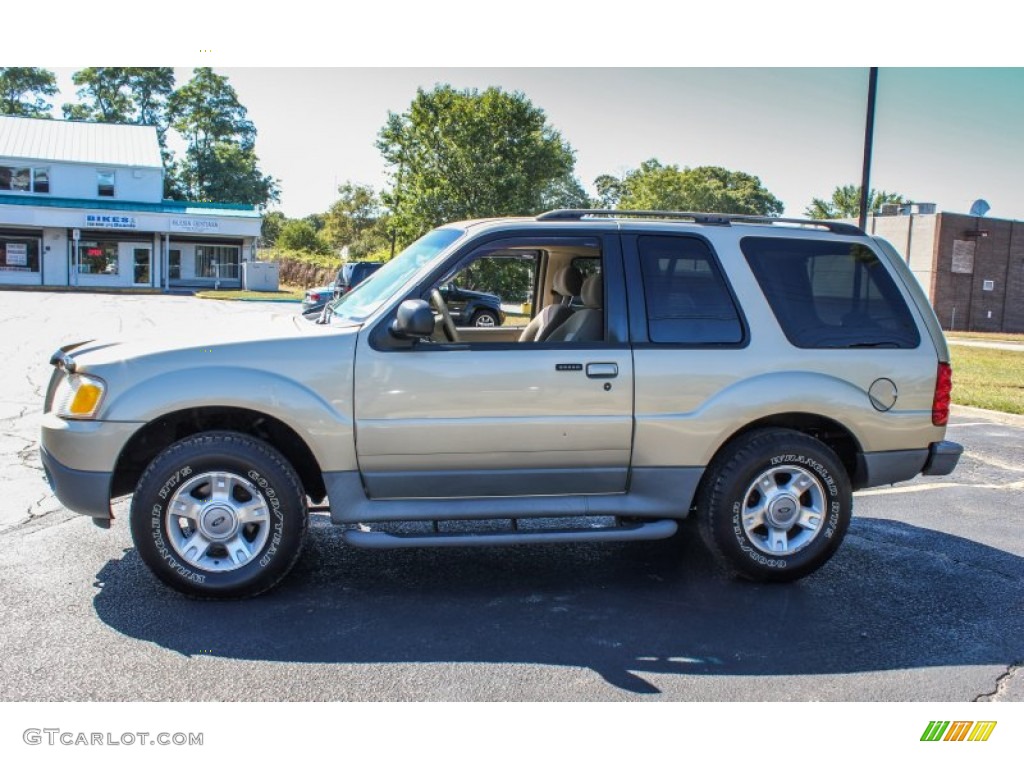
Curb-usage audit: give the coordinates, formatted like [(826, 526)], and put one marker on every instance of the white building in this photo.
[(81, 204)]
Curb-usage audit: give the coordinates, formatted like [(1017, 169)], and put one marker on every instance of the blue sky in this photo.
[(943, 135)]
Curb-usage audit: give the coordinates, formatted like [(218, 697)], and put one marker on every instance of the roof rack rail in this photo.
[(718, 219)]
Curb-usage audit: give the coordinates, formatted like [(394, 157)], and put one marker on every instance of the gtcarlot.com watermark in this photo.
[(53, 737)]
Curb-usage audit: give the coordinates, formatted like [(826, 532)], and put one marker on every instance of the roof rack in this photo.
[(716, 219)]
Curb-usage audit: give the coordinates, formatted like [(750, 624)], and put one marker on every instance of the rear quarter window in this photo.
[(688, 301), (830, 294)]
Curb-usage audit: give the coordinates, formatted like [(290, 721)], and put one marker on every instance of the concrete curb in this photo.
[(969, 411)]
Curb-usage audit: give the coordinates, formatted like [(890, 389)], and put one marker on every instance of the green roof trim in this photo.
[(184, 207)]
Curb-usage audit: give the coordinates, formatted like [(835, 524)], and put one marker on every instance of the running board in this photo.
[(646, 531)]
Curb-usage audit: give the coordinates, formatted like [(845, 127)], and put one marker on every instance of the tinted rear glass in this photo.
[(688, 301), (830, 294)]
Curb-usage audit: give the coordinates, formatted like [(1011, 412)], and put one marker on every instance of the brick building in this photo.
[(972, 267)]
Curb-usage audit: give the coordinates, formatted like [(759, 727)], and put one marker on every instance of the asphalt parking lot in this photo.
[(924, 601)]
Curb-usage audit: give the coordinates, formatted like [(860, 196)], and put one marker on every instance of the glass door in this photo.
[(142, 260)]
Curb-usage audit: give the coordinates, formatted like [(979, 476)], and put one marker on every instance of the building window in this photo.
[(174, 264), (105, 183), (97, 258), (217, 261), (14, 179), (19, 255), (41, 180)]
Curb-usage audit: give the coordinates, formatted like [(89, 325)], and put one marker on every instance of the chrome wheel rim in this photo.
[(783, 510), (217, 521), (484, 321)]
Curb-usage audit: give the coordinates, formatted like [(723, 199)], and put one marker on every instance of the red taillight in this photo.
[(314, 297), (943, 389)]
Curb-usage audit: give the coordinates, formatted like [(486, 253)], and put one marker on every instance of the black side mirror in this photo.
[(415, 320)]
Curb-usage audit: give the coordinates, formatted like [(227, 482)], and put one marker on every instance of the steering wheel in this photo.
[(446, 318)]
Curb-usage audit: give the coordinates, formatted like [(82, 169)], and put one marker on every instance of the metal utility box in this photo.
[(260, 276)]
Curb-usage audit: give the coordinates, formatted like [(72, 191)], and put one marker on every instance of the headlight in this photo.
[(78, 396)]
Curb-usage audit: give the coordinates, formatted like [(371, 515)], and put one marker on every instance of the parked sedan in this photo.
[(316, 298)]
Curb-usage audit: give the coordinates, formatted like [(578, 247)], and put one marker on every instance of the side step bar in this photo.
[(645, 531)]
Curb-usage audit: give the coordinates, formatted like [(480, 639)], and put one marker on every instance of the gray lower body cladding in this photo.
[(654, 492), (87, 493)]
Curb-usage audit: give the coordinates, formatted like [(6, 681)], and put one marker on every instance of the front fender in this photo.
[(324, 424)]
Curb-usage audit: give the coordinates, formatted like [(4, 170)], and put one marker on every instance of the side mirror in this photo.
[(415, 320)]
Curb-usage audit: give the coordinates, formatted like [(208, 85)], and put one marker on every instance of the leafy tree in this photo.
[(654, 186), (609, 190), (464, 154), (220, 162), (22, 91), (565, 192), (299, 235), (225, 172), (845, 203), (357, 221), (271, 228)]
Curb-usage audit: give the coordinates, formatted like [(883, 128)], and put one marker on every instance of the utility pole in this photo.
[(869, 132)]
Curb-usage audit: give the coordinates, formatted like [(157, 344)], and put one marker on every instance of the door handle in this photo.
[(602, 370)]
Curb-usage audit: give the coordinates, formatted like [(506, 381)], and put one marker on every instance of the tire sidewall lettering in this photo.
[(831, 522)]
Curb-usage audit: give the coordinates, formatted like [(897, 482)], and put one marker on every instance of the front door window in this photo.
[(174, 264), (141, 263)]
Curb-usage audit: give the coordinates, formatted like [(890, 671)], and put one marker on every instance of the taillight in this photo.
[(943, 389), (314, 297)]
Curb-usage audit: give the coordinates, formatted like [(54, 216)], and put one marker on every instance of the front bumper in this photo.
[(85, 492), (79, 457)]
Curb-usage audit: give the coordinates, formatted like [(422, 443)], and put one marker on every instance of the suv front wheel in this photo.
[(775, 506), (219, 514)]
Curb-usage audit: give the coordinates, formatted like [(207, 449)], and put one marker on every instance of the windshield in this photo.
[(365, 298)]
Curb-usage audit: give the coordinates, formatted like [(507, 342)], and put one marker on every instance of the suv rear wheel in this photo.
[(775, 506), (220, 514)]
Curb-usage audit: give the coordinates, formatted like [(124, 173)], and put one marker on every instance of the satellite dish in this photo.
[(980, 207)]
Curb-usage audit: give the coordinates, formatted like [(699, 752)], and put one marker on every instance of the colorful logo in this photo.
[(958, 730)]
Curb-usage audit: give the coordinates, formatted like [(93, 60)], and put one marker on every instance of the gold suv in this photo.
[(751, 371)]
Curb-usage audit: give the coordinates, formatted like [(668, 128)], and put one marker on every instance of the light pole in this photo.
[(869, 131)]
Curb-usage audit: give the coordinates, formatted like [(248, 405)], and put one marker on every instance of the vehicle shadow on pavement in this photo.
[(896, 596)]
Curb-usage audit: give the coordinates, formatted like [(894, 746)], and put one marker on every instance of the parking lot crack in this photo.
[(1008, 685)]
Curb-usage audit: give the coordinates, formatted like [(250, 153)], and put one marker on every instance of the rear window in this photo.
[(688, 301), (830, 295)]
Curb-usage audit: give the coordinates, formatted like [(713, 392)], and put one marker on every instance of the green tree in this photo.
[(271, 228), (654, 186), (356, 220), (464, 154), (565, 192), (609, 190), (845, 203), (220, 161), (23, 91), (299, 235), (226, 173)]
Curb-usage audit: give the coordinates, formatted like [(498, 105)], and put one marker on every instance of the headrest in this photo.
[(592, 292), (568, 281)]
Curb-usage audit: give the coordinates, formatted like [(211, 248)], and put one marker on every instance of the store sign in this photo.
[(17, 255), (103, 221), (194, 225)]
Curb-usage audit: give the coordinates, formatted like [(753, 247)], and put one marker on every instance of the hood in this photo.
[(233, 332)]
